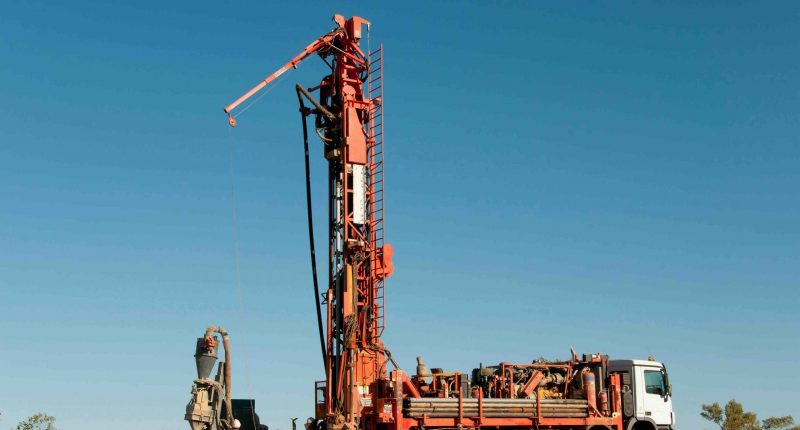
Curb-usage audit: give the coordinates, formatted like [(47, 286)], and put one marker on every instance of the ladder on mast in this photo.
[(375, 157)]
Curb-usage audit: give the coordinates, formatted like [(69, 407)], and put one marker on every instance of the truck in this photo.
[(360, 392), (646, 394)]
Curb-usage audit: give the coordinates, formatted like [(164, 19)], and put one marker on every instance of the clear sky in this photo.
[(621, 177)]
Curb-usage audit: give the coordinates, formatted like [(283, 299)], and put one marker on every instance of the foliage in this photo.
[(734, 417), (779, 423), (38, 421)]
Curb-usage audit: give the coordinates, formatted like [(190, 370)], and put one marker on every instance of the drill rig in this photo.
[(358, 391)]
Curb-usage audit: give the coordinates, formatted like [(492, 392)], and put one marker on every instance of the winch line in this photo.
[(260, 96), (237, 265)]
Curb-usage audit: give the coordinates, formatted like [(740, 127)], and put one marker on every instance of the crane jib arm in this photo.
[(310, 49)]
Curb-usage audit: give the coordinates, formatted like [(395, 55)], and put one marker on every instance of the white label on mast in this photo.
[(359, 193)]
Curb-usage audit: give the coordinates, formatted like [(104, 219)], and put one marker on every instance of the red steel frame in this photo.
[(358, 393), (359, 261)]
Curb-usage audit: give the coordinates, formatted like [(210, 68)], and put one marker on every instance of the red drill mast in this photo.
[(348, 119), (580, 393)]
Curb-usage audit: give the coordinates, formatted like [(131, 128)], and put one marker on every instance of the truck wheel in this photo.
[(643, 425)]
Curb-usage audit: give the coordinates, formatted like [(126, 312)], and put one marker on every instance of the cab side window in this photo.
[(654, 382)]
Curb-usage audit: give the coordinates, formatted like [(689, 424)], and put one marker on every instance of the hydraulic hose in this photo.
[(303, 113), (227, 345)]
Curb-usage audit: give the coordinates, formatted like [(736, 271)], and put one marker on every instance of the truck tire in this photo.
[(642, 425)]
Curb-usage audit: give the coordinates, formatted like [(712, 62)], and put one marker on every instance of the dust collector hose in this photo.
[(303, 113), (227, 345)]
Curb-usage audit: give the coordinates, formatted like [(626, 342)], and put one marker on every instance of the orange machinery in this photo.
[(347, 111)]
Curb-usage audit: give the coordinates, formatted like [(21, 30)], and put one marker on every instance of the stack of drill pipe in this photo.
[(510, 408)]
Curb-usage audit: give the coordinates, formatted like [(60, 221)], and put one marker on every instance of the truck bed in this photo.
[(433, 407)]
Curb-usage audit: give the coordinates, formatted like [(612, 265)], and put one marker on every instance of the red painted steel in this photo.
[(358, 393)]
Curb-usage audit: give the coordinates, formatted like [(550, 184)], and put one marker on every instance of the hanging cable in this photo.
[(236, 253), (304, 112)]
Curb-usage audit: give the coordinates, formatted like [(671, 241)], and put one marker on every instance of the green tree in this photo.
[(779, 423), (734, 417), (38, 421)]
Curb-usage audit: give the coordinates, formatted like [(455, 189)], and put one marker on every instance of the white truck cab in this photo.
[(646, 394)]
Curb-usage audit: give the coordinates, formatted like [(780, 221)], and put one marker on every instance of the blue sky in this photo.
[(621, 177)]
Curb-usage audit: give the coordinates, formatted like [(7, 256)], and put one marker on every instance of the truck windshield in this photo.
[(654, 382)]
